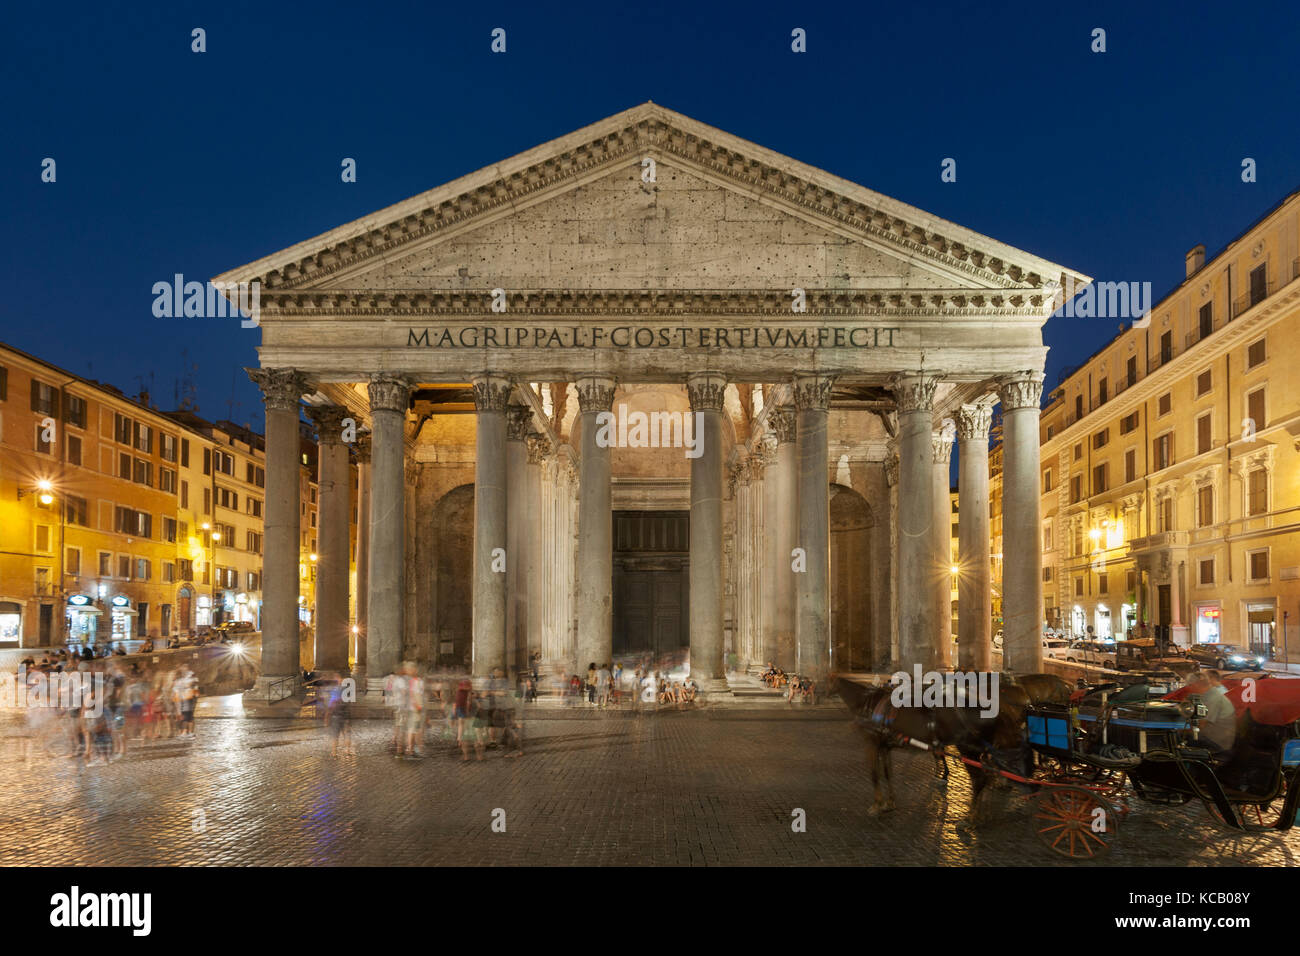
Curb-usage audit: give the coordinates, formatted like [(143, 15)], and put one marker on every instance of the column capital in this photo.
[(973, 422), (389, 392), (328, 420), (706, 391), (539, 446), (783, 424), (282, 388), (491, 392), (595, 392), (812, 391), (1022, 390), (891, 468), (914, 391), (941, 445), (363, 448), (519, 422)]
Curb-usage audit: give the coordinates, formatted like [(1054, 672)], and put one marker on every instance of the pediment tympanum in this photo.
[(570, 249)]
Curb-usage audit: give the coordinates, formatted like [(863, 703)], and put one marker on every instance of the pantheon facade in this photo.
[(806, 352)]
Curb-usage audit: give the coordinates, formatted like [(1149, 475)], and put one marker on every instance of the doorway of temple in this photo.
[(651, 586)]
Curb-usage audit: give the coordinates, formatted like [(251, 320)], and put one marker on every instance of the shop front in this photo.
[(1209, 619), (82, 620), (123, 618), (1102, 628), (203, 612), (11, 623), (1261, 620)]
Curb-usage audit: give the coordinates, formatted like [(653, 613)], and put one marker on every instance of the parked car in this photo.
[(1144, 653), (1229, 657), (1056, 648), (229, 631), (1092, 652)]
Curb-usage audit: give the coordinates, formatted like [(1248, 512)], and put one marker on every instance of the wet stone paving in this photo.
[(710, 786)]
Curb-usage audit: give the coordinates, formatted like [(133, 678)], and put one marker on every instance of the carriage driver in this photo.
[(1219, 725)]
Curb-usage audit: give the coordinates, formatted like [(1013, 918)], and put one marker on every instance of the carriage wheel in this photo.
[(1074, 822), (1255, 817)]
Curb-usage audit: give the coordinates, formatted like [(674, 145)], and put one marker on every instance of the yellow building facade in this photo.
[(88, 510), (122, 522), (1171, 458)]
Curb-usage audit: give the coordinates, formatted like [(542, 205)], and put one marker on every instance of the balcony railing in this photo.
[(1240, 305), (1163, 357)]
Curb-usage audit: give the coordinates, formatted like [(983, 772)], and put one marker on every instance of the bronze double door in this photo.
[(651, 584)]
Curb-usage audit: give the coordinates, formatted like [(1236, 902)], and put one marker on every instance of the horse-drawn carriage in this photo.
[(1081, 756)]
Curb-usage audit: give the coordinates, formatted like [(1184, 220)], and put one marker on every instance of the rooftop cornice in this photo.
[(1260, 317), (650, 129)]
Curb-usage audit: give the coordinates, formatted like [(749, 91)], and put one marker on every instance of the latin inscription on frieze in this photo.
[(653, 337)]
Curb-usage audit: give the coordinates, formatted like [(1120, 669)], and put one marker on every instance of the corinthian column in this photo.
[(385, 603), (888, 656), (771, 567), (334, 513), (941, 573), (974, 572), (595, 642), (489, 650), (519, 421), (785, 529), (812, 399), (1022, 581), (363, 554), (282, 388), (706, 391), (916, 624), (535, 522)]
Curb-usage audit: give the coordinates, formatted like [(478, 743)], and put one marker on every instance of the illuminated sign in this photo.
[(121, 600), (80, 600)]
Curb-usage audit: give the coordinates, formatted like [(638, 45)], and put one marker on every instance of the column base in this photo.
[(714, 689)]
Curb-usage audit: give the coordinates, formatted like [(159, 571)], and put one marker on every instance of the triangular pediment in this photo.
[(721, 217)]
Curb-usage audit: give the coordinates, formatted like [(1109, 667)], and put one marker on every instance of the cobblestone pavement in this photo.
[(705, 787)]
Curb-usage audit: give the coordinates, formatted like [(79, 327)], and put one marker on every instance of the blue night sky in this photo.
[(170, 161)]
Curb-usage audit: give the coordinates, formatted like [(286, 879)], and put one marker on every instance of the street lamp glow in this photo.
[(313, 557), (216, 536), (1095, 534)]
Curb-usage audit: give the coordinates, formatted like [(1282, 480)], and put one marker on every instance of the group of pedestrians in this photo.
[(94, 716), (476, 719), (612, 684)]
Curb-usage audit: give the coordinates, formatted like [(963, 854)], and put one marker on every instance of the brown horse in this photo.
[(1000, 738)]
